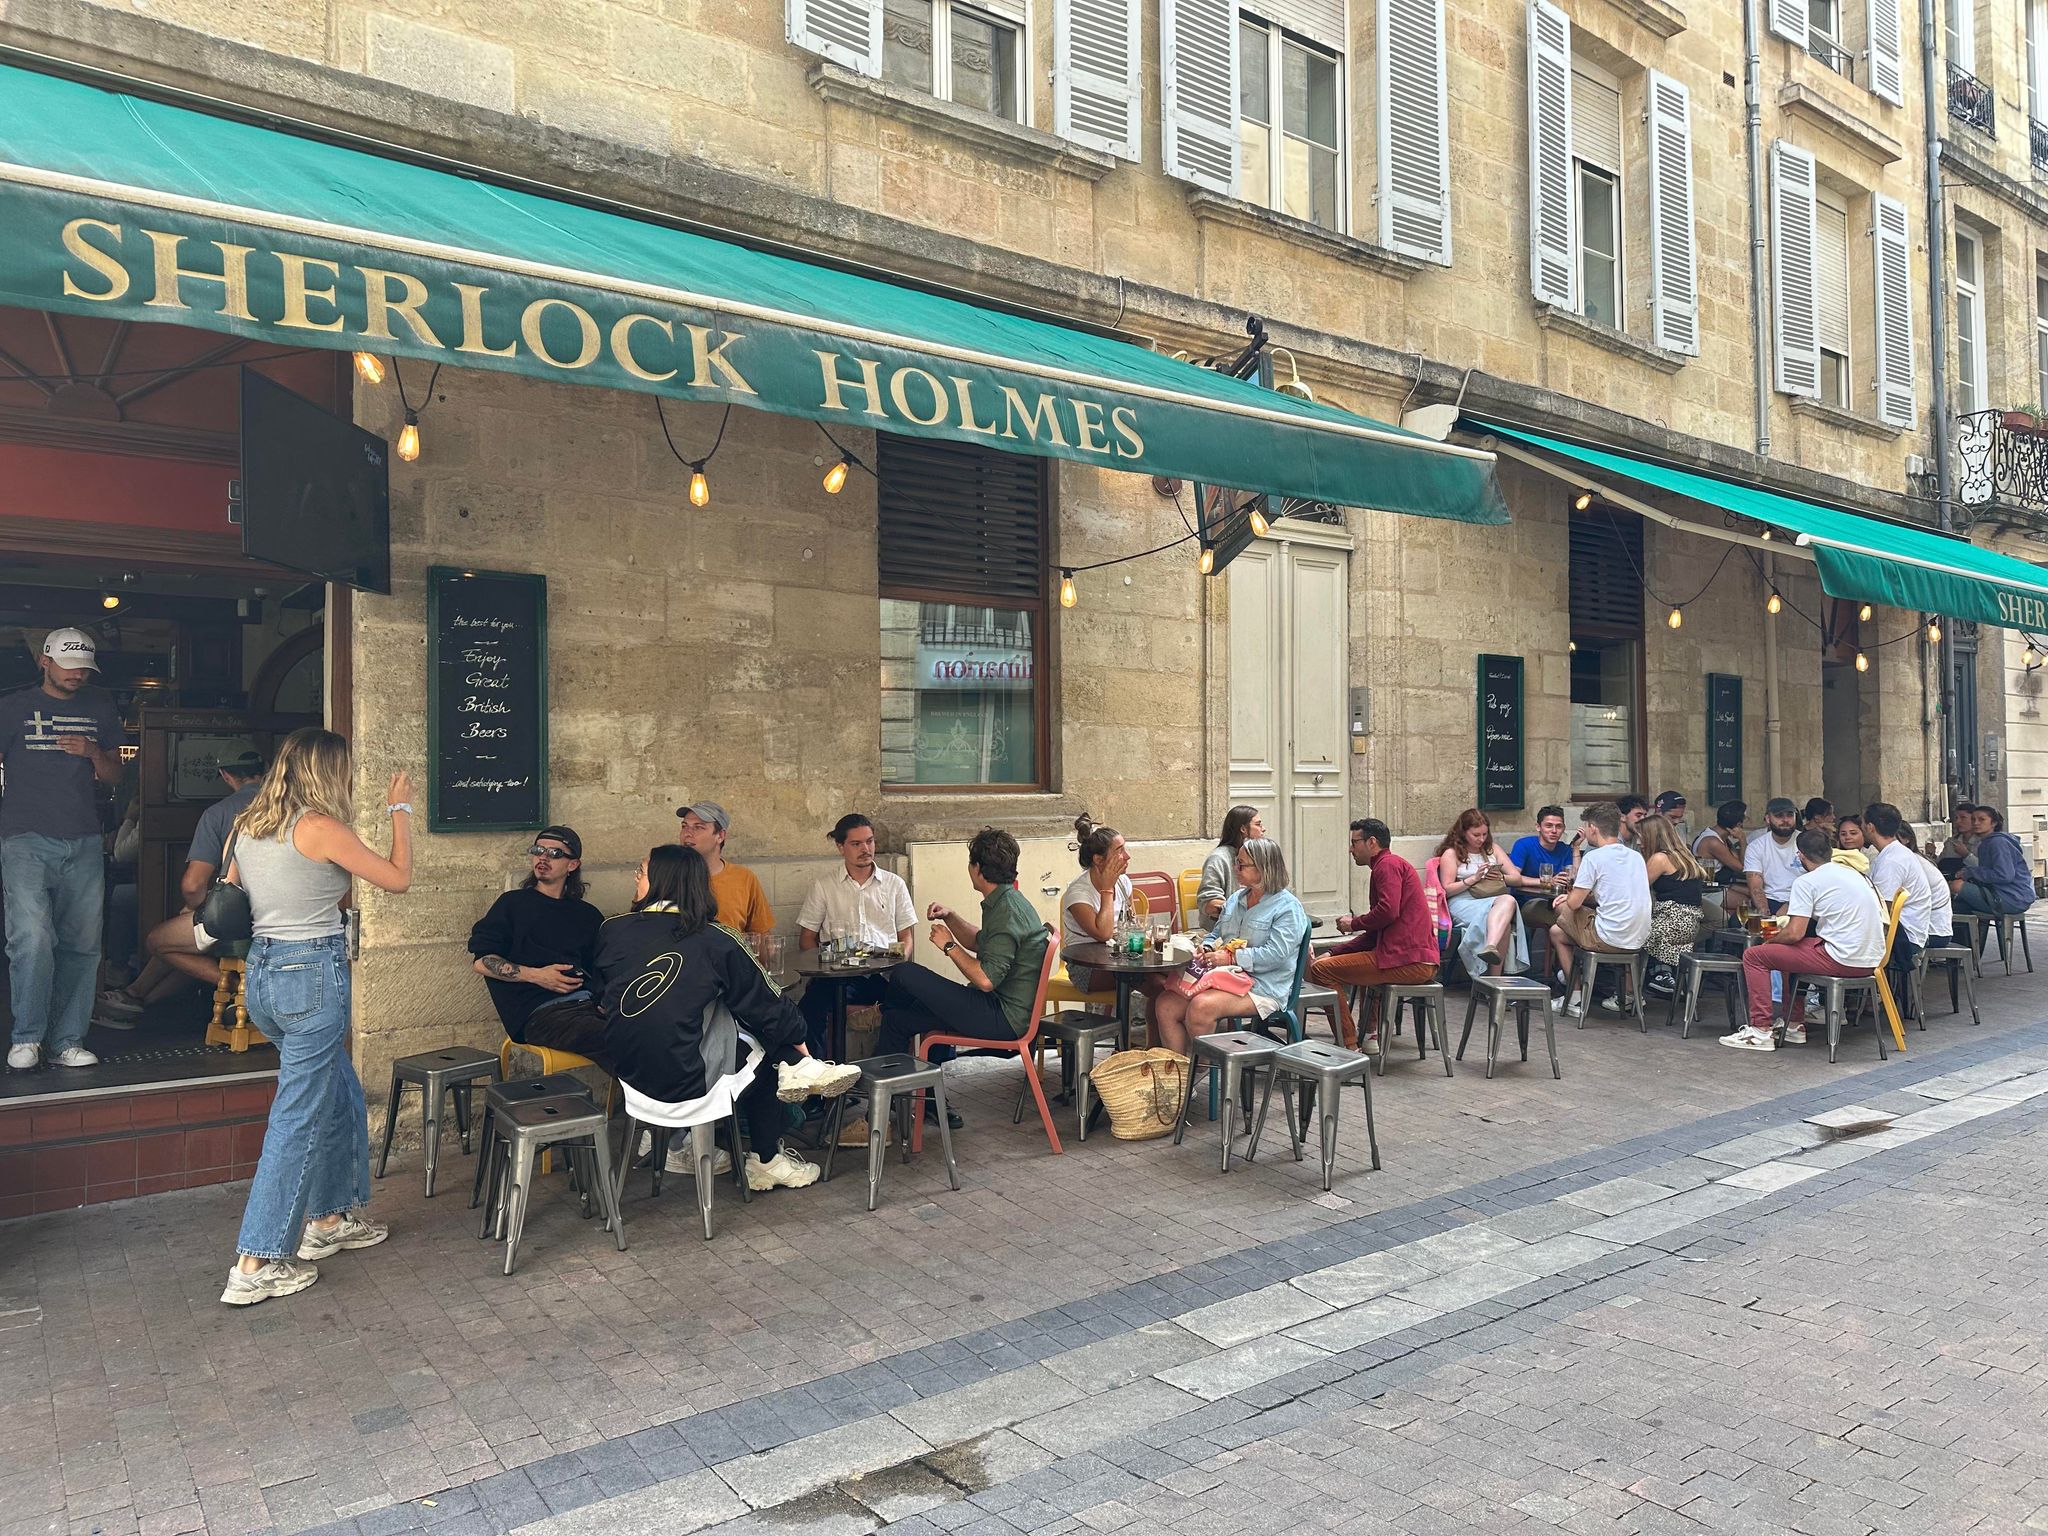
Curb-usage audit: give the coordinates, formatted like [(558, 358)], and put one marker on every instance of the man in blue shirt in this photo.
[(1543, 855)]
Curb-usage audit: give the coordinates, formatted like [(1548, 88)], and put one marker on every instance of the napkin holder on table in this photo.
[(1180, 947)]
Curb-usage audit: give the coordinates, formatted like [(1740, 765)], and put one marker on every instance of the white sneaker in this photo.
[(681, 1161), (114, 1003), (1795, 1034), (1577, 1006), (1612, 1003), (75, 1056), (1747, 1039), (786, 1170), (352, 1231), (808, 1077), (24, 1058), (279, 1277)]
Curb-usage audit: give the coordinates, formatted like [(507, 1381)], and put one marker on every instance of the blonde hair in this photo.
[(309, 773), (1656, 835)]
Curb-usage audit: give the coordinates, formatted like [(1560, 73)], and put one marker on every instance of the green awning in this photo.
[(114, 205), (1862, 559)]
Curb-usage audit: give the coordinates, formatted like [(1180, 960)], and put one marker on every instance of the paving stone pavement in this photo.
[(1502, 1322)]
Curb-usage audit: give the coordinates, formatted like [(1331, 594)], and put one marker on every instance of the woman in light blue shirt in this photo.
[(1273, 923)]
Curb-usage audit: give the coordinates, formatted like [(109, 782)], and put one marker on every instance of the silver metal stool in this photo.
[(1694, 967), (1971, 926), (1077, 1033), (891, 1086), (436, 1074), (1593, 961), (1427, 998), (518, 1090), (703, 1148), (1234, 1053), (580, 1131), (1956, 960), (1322, 1070), (2003, 924), (494, 1151), (1318, 999), (1834, 993), (1502, 994)]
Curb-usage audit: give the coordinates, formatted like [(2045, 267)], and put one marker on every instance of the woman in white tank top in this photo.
[(294, 852)]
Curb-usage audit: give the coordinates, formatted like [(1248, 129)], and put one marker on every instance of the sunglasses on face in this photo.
[(539, 852)]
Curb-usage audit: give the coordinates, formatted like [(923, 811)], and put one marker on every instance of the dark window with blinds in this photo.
[(961, 549), (1606, 653)]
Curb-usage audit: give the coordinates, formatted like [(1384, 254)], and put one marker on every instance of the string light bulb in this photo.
[(1863, 613), (1582, 501), (109, 601), (409, 437), (1862, 662), (1207, 560), (2031, 659), (1774, 604), (369, 368), (835, 477), (1934, 631), (700, 488), (1765, 535), (1068, 596), (1260, 526), (1677, 618)]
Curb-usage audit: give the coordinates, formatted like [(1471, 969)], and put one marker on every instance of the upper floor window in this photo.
[(1840, 33), (1831, 284), (1825, 38), (1972, 387), (956, 53), (1289, 123), (1596, 178)]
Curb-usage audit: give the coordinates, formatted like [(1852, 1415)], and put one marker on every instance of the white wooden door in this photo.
[(1288, 686)]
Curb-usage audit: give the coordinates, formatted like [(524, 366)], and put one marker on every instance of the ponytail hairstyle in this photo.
[(309, 774), (1095, 840), (1235, 824), (678, 875)]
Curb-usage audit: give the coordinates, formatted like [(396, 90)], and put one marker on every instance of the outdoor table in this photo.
[(811, 963), (1129, 971)]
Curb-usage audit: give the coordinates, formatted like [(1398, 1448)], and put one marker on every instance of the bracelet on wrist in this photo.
[(393, 810)]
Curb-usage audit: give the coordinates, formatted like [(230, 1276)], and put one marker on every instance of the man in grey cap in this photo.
[(742, 904), (57, 740)]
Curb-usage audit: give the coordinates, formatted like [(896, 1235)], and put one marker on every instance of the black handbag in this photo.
[(225, 913)]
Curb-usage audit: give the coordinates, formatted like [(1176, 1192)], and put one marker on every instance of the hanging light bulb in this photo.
[(1582, 501), (1774, 603), (1863, 613), (369, 368), (409, 437), (1068, 596), (700, 488), (835, 477), (1208, 560), (1862, 662), (1677, 618), (109, 601), (1259, 524), (1765, 535), (2031, 659), (1934, 631)]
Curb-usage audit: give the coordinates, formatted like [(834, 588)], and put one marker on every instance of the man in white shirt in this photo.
[(1893, 868), (1836, 928), (1770, 859), (868, 905), (1608, 907)]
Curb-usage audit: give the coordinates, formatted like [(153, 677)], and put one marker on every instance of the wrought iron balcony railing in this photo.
[(1970, 100), (1832, 54), (2001, 456), (2037, 144)]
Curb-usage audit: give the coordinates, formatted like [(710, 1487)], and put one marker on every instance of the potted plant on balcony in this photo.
[(2029, 420)]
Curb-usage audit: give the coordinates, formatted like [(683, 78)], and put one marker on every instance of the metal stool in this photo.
[(1834, 992), (436, 1074), (519, 1090), (2003, 924), (1519, 993), (1319, 1067), (579, 1128), (1428, 1000), (893, 1087), (1077, 1034), (1956, 960), (1694, 967), (1593, 961), (1317, 999), (1971, 926), (1233, 1052)]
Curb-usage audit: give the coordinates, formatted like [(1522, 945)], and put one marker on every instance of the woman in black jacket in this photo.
[(675, 989)]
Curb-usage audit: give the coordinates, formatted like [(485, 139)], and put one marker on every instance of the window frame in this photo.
[(1969, 297), (941, 88), (1842, 363), (2040, 328), (1279, 38), (1617, 179), (1606, 522), (1959, 34)]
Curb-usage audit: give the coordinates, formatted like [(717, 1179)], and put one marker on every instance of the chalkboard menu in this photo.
[(1501, 733), (487, 700), (1724, 738)]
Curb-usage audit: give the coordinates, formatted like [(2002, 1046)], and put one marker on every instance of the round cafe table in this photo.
[(1129, 971), (810, 963)]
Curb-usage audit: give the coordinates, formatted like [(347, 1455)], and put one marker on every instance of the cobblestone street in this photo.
[(1645, 1298)]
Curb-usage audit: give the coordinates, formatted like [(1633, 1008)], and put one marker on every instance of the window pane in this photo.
[(1309, 185), (1599, 260), (1308, 94), (1322, 100), (2041, 365), (1603, 717), (1255, 168), (1254, 73), (1293, 88), (1966, 260), (1822, 16), (907, 43), (959, 695), (984, 64), (1834, 380), (1966, 353), (1597, 207)]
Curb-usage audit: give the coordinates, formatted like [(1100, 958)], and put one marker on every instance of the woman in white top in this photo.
[(1219, 869), (293, 852), (1479, 880), (1097, 901)]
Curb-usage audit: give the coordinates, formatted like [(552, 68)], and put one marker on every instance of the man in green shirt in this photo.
[(998, 959)]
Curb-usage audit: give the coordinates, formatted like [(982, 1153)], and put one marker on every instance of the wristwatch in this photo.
[(951, 945)]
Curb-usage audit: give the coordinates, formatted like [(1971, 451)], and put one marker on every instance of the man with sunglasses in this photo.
[(535, 945)]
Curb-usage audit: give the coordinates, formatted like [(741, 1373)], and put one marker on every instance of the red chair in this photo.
[(1162, 895), (1022, 1046)]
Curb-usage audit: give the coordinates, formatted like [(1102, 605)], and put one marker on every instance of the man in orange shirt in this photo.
[(742, 904)]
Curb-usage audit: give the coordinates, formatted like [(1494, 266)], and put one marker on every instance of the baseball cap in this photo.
[(71, 648), (1671, 799), (707, 810), (566, 836), (244, 765), (1780, 806)]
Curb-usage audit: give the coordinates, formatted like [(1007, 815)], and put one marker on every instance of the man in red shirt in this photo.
[(1396, 940)]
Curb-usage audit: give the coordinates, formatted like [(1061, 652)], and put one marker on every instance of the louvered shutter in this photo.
[(1787, 18), (1596, 122), (1198, 106), (1606, 550), (1794, 311), (1887, 52), (1896, 404), (1674, 262), (1414, 130), (1553, 218), (847, 32), (1097, 67), (959, 521)]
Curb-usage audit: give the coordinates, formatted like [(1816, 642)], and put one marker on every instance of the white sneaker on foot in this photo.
[(1577, 1006), (352, 1231), (279, 1277), (1795, 1034), (24, 1058), (808, 1077), (75, 1056), (786, 1170), (680, 1161), (1747, 1039)]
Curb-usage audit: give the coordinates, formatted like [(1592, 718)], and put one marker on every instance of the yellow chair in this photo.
[(549, 1060), (229, 1025), (1061, 992), (1190, 885)]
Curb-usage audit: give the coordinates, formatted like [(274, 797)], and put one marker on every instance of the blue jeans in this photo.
[(1975, 896), (316, 1149), (54, 887)]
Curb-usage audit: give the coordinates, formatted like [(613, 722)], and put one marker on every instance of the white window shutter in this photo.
[(1553, 216), (1414, 130), (1894, 312), (1787, 18), (1097, 67), (1795, 305), (1887, 52), (1674, 260), (1198, 107), (847, 32)]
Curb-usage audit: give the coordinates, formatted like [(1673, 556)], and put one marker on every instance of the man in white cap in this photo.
[(56, 739)]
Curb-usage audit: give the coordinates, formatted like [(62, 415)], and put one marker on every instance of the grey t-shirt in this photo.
[(210, 837), (48, 790)]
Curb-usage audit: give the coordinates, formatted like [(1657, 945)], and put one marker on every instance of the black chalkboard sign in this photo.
[(1501, 733), (1724, 738), (487, 700)]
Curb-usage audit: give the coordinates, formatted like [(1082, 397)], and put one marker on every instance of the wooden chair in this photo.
[(1024, 1048), (229, 1025)]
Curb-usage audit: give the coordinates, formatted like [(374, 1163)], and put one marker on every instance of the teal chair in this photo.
[(1288, 1018)]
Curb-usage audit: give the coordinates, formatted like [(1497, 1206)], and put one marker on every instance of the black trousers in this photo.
[(570, 1026), (922, 1002), (816, 1004)]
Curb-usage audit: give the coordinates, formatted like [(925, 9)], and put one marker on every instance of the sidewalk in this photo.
[(417, 1368)]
